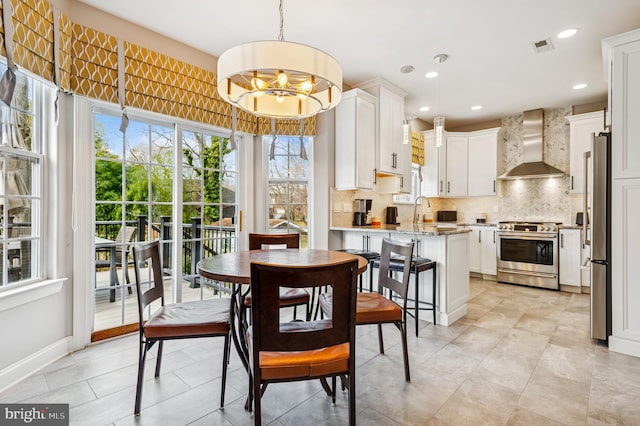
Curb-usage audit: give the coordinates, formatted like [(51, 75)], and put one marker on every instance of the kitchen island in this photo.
[(447, 244)]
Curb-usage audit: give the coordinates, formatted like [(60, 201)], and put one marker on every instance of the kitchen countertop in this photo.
[(424, 229)]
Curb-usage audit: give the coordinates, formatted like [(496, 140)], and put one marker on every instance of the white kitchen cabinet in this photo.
[(457, 166), (475, 249), (483, 162), (393, 156), (622, 59), (581, 128), (363, 240), (355, 157), (489, 251), (482, 250), (624, 99), (570, 260), (434, 170)]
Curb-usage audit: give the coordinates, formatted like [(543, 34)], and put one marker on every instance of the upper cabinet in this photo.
[(457, 153), (393, 156), (622, 61), (483, 162), (355, 157), (466, 165), (581, 129)]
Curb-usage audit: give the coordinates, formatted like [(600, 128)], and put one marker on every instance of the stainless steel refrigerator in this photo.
[(599, 196)]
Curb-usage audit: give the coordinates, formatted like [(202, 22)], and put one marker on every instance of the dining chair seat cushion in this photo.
[(198, 318), (371, 307), (288, 297), (297, 364)]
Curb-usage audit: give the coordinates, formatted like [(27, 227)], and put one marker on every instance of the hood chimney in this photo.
[(533, 165)]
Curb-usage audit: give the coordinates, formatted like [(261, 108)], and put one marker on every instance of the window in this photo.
[(288, 185), (21, 158)]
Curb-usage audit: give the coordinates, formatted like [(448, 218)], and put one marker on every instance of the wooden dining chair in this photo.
[(203, 318), (301, 350), (289, 297), (375, 307)]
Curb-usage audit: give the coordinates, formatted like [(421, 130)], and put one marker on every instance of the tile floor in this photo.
[(521, 356)]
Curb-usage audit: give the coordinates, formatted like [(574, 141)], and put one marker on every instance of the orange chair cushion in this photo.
[(288, 297), (199, 318), (299, 364), (371, 308)]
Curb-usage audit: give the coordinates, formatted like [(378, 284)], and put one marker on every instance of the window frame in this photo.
[(44, 142)]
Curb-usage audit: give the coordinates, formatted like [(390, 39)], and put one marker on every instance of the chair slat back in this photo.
[(148, 254), (392, 248), (269, 334), (256, 241)]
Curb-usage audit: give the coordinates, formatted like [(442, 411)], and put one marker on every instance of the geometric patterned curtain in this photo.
[(88, 66)]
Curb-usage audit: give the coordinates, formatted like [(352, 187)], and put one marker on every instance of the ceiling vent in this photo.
[(542, 45)]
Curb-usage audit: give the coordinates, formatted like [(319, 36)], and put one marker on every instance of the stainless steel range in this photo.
[(528, 253)]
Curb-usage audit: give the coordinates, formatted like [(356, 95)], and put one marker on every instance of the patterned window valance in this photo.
[(88, 66)]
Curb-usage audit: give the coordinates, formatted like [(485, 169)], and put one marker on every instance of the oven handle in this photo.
[(529, 237)]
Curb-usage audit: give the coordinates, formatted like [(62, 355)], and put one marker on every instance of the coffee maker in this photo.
[(361, 208)]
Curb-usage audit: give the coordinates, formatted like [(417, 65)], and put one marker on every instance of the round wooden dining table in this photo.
[(235, 267)]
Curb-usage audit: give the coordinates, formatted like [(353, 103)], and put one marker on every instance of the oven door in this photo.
[(530, 259)]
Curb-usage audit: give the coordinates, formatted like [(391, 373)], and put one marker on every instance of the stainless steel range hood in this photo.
[(532, 166)]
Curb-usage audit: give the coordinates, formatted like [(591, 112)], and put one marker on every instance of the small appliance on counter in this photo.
[(392, 215), (447, 216), (361, 208), (481, 218)]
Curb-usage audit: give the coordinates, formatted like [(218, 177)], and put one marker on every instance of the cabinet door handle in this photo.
[(401, 181), (494, 186), (561, 240), (375, 175), (448, 187), (440, 186), (364, 243), (494, 237), (572, 183), (479, 236)]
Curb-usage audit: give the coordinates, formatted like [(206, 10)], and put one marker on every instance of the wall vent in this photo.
[(542, 45)]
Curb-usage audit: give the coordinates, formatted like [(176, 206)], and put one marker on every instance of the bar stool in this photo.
[(418, 265), (371, 256)]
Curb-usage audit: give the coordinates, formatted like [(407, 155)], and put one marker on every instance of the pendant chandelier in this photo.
[(438, 122), (279, 79)]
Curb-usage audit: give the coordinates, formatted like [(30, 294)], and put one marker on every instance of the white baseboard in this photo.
[(26, 367), (449, 318), (624, 346)]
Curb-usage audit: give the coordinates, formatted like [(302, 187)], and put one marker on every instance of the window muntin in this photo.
[(288, 185), (21, 159)]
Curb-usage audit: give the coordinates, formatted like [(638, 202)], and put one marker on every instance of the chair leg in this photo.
[(380, 342), (405, 352), (416, 299), (333, 390), (225, 362), (435, 268), (257, 394), (159, 360), (352, 398), (141, 361)]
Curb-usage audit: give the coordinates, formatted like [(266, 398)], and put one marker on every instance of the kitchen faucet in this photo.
[(415, 207)]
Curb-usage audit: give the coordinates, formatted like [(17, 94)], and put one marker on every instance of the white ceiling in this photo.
[(491, 60)]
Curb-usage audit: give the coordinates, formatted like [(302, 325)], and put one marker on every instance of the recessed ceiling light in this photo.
[(431, 74), (424, 108), (476, 107), (579, 86), (568, 33)]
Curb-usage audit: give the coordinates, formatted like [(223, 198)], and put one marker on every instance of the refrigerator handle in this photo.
[(585, 198)]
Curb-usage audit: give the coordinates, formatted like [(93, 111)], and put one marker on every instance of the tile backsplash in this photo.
[(523, 199)]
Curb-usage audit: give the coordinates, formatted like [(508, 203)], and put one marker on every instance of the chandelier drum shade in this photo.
[(279, 79)]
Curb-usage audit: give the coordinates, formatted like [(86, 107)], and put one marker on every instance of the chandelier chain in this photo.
[(281, 36)]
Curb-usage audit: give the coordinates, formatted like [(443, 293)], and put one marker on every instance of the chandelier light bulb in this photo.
[(282, 79)]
